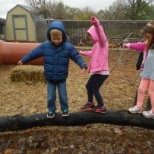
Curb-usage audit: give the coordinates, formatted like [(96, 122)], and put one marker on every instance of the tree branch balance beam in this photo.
[(116, 117)]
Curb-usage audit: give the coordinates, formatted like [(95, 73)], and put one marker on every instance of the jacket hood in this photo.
[(92, 32), (56, 25)]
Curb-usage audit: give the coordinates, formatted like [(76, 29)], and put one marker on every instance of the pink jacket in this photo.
[(139, 46), (99, 52)]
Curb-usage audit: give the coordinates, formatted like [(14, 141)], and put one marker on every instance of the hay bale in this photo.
[(27, 73)]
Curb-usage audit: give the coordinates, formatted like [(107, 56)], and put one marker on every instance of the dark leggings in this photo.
[(93, 85)]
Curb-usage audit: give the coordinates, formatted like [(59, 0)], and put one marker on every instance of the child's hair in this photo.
[(55, 32), (149, 28)]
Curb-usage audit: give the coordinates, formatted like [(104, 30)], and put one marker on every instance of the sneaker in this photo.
[(148, 114), (87, 106), (99, 109), (50, 114), (135, 109), (65, 113)]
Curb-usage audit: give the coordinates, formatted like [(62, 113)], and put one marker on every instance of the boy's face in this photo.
[(57, 39)]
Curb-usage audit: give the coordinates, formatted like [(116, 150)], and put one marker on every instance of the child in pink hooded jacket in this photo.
[(147, 75), (98, 67)]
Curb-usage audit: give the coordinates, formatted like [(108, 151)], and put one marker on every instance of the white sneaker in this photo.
[(135, 109), (148, 114)]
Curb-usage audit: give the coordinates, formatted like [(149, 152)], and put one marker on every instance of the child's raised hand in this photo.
[(94, 20), (20, 62)]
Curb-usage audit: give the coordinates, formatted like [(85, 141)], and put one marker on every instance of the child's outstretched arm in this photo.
[(139, 46), (86, 53), (75, 56), (102, 39), (35, 53)]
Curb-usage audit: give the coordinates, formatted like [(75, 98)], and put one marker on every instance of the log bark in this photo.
[(116, 117)]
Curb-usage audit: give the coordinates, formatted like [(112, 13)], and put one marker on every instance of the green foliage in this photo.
[(149, 13), (84, 14), (136, 10)]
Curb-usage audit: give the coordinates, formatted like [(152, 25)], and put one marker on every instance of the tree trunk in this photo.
[(119, 117)]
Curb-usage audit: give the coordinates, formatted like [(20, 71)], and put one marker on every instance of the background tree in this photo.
[(119, 10), (149, 12), (114, 12), (58, 10), (84, 14), (40, 7), (136, 9), (128, 10), (71, 12)]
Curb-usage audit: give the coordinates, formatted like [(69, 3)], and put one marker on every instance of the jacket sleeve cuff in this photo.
[(84, 66)]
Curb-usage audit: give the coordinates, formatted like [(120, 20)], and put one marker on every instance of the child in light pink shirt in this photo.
[(147, 75)]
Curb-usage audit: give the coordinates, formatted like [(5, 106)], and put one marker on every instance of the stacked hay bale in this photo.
[(27, 73)]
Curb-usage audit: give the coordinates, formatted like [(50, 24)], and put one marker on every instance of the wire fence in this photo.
[(116, 30)]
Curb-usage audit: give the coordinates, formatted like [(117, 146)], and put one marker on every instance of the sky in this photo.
[(7, 5)]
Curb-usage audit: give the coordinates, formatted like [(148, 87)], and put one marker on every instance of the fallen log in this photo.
[(116, 117)]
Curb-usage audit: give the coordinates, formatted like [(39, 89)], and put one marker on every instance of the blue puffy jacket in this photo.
[(56, 58)]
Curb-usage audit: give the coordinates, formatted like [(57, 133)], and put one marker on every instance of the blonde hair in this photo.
[(55, 32)]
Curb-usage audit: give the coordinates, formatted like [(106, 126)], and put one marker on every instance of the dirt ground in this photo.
[(118, 93)]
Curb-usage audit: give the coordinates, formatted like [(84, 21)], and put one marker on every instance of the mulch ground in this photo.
[(118, 93)]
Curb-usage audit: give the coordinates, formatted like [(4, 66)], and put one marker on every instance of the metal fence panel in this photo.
[(76, 29)]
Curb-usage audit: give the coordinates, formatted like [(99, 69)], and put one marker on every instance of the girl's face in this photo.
[(148, 37), (89, 38)]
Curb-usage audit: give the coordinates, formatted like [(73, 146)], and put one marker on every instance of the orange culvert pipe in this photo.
[(12, 52)]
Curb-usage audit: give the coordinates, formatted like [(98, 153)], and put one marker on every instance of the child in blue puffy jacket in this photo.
[(57, 52)]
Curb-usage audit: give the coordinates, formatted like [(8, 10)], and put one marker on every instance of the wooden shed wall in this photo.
[(23, 25)]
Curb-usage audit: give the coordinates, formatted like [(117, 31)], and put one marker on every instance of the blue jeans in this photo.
[(51, 94)]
